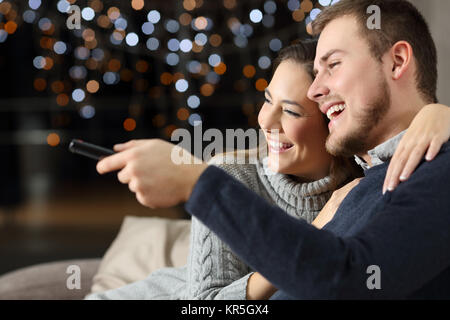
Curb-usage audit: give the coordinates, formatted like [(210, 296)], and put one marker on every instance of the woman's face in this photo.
[(293, 125)]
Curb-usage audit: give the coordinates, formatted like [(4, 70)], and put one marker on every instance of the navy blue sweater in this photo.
[(405, 233)]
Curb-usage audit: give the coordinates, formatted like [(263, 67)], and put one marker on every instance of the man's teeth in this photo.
[(279, 145), (336, 108)]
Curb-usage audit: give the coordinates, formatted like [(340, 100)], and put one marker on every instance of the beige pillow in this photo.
[(143, 245)]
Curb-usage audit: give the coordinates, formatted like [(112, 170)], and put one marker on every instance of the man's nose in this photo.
[(317, 90)]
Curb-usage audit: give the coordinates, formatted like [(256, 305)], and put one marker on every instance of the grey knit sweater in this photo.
[(213, 271)]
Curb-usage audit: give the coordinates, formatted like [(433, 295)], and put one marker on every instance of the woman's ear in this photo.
[(401, 55)]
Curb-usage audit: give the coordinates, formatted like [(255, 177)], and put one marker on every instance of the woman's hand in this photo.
[(330, 208), (429, 130)]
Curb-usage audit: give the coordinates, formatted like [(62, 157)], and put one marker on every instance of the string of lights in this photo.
[(176, 58)]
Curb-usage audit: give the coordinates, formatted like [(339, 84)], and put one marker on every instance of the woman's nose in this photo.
[(269, 118)]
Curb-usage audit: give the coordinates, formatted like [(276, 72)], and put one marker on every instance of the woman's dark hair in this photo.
[(301, 51)]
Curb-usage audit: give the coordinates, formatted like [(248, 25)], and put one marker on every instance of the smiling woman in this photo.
[(297, 147)]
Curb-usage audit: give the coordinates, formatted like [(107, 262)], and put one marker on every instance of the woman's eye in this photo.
[(294, 114), (267, 100)]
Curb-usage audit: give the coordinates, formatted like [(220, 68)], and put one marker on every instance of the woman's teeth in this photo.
[(278, 146), (333, 109)]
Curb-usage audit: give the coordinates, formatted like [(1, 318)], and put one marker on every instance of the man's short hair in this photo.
[(400, 20)]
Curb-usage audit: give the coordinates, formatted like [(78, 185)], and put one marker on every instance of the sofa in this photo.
[(143, 245)]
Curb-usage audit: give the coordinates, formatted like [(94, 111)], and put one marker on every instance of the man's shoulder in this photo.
[(442, 158), (446, 147), (435, 173)]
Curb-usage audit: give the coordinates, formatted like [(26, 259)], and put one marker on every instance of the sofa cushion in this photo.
[(143, 245)]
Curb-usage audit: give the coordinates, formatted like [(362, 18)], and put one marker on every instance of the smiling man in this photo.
[(379, 78), (371, 84)]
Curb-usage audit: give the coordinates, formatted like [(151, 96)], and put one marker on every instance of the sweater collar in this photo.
[(294, 196)]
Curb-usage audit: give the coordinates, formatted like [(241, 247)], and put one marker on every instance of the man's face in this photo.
[(350, 88)]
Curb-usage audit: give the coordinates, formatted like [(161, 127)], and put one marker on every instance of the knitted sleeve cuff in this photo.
[(236, 290)]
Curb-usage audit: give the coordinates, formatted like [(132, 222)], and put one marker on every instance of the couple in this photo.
[(372, 85)]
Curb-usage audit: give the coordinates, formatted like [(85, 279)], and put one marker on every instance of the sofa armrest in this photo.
[(48, 281)]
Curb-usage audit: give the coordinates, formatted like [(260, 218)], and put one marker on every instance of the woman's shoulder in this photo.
[(240, 164)]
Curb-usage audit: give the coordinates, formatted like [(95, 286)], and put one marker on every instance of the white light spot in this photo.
[(88, 14), (132, 39), (193, 101), (214, 60), (181, 85), (256, 16), (154, 16), (78, 95)]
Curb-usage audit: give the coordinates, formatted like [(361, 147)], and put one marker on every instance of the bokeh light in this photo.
[(34, 4), (152, 44), (181, 85), (137, 4), (154, 16), (129, 124), (193, 101), (132, 39), (261, 84), (87, 112), (156, 55), (195, 119), (249, 71), (88, 14), (78, 95), (256, 16), (264, 62), (92, 86), (53, 139)]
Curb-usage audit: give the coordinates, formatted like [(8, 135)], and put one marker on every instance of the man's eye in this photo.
[(332, 65)]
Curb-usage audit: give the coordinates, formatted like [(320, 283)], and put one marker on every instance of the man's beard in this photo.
[(357, 141)]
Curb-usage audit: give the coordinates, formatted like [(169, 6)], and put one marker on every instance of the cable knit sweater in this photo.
[(213, 271)]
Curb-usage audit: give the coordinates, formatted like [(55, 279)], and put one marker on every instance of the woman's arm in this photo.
[(213, 270), (429, 130), (259, 288), (330, 208)]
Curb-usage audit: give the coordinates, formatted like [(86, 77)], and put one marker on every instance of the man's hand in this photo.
[(147, 167)]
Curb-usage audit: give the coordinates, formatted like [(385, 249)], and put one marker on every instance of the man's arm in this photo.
[(409, 240)]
